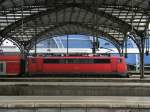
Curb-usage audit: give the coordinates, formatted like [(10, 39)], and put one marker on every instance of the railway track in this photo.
[(134, 77), (138, 73)]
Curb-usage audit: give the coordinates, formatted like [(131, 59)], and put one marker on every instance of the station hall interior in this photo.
[(26, 22), (74, 55)]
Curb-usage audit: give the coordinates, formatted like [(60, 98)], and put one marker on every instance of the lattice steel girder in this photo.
[(1, 40), (58, 25), (12, 3), (124, 27)]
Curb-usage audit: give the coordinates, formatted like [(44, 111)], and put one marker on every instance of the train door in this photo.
[(2, 68), (114, 65), (39, 65)]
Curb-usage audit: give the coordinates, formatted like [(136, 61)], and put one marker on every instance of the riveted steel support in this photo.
[(35, 47), (142, 56), (24, 53)]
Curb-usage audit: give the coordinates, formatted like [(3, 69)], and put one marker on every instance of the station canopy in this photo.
[(25, 21)]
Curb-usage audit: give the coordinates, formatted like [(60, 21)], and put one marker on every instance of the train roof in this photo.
[(9, 58), (72, 57)]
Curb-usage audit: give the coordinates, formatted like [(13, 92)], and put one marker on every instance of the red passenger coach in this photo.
[(9, 65), (77, 65)]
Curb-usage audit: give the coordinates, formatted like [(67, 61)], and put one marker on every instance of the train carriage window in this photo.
[(83, 61), (102, 61), (1, 67), (76, 61), (51, 61), (62, 61), (86, 61), (70, 61), (79, 61)]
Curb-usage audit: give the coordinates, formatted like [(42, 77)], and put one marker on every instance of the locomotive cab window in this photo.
[(1, 67), (119, 60)]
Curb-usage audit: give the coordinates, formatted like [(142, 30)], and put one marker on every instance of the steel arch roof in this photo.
[(26, 20)]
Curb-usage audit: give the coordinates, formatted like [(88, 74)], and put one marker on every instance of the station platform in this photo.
[(74, 89), (76, 102)]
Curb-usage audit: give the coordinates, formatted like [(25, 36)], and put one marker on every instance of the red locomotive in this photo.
[(11, 65)]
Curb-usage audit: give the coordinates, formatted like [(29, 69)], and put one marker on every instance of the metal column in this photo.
[(23, 61), (142, 56), (35, 46), (67, 45)]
